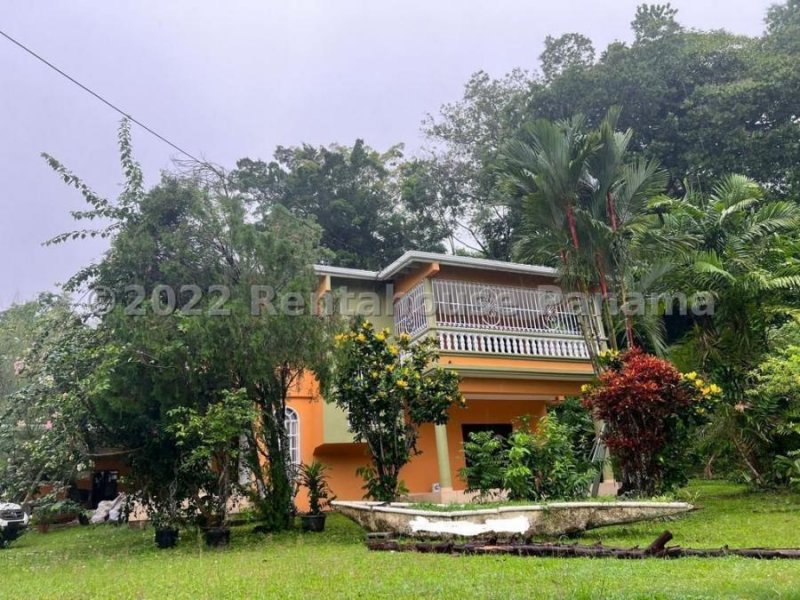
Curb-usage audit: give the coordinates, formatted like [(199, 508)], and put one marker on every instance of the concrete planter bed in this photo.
[(551, 519)]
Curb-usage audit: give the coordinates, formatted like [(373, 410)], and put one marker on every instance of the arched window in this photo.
[(292, 424)]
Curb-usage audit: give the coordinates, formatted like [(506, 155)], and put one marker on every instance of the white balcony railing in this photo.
[(467, 305), (511, 345), (492, 319), (409, 312)]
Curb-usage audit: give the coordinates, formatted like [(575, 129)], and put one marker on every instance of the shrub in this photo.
[(648, 408), (486, 457), (389, 388), (769, 421), (572, 413), (58, 511), (542, 464)]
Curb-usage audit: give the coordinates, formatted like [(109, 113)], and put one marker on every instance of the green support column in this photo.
[(443, 457)]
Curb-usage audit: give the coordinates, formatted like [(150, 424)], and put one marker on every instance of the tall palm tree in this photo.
[(586, 209), (548, 166)]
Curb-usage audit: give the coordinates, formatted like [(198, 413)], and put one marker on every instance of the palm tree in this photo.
[(744, 256), (548, 166), (586, 208)]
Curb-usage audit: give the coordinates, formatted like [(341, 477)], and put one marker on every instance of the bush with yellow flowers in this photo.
[(389, 387)]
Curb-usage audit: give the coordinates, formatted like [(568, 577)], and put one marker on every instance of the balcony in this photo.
[(475, 318)]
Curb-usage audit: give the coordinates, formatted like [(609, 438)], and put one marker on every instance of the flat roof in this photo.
[(411, 257), (345, 272)]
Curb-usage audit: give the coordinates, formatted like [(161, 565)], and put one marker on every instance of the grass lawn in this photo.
[(116, 562)]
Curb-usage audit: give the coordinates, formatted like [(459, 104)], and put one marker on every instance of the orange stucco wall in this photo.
[(423, 471), (306, 400)]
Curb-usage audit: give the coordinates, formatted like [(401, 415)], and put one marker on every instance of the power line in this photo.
[(98, 96), (133, 119)]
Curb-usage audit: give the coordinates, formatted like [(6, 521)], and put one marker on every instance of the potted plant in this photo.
[(55, 512), (166, 530), (164, 512), (314, 478), (210, 448)]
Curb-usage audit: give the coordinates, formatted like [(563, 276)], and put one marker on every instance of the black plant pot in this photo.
[(313, 522), (217, 537), (166, 538)]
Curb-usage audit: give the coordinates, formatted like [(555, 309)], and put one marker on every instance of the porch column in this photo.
[(443, 457)]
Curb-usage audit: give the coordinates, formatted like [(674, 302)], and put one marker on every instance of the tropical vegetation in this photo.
[(389, 389)]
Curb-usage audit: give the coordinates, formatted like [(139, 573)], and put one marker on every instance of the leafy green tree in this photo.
[(586, 208), (654, 22), (768, 419), (208, 300), (211, 460), (743, 255), (355, 194), (571, 50), (42, 419), (18, 329), (466, 137), (702, 103), (389, 388)]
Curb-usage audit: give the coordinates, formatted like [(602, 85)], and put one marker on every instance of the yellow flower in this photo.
[(373, 374), (585, 388), (699, 383), (714, 389), (389, 368), (691, 376), (361, 338), (380, 336), (404, 337), (339, 338), (393, 350), (401, 383)]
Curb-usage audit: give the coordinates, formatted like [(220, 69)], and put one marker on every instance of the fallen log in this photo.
[(658, 549)]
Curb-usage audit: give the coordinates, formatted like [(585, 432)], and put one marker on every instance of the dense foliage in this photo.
[(648, 408), (702, 103), (768, 420), (389, 388), (190, 326), (44, 416), (535, 463), (542, 464), (368, 204), (486, 458)]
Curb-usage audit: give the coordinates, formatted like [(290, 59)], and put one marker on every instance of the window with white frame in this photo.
[(292, 425)]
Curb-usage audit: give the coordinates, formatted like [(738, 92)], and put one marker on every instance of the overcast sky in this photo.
[(236, 78)]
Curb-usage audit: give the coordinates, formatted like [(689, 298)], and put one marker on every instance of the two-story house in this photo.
[(502, 326)]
